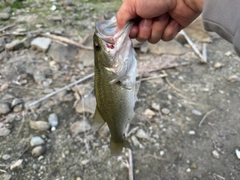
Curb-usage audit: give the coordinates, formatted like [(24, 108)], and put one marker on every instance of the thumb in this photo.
[(125, 14)]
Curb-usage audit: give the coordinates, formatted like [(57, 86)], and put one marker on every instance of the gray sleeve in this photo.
[(223, 17)]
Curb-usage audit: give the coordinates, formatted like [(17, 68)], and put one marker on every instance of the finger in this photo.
[(134, 31), (125, 14), (144, 31), (171, 30), (158, 27)]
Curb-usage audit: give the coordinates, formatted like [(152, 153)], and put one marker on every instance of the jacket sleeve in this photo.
[(223, 17)]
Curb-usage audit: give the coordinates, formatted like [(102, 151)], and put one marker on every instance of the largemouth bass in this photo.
[(114, 80)]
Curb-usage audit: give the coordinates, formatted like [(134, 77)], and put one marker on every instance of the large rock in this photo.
[(41, 43), (170, 47), (61, 53)]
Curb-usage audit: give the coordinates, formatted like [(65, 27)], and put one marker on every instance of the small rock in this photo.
[(193, 165), (79, 126), (53, 120), (86, 104), (188, 170), (38, 151), (4, 16), (40, 125), (165, 111), (78, 178), (217, 65), (4, 108), (16, 165), (192, 132), (196, 112), (6, 157), (149, 113), (84, 162), (4, 131), (169, 96), (156, 106), (232, 78), (41, 43), (14, 45), (86, 57), (61, 53), (54, 66), (141, 134), (18, 108), (36, 141), (16, 101), (39, 76), (161, 153), (237, 153), (215, 154), (228, 53)]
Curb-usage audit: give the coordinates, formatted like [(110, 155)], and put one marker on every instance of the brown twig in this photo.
[(204, 117), (61, 89), (172, 86), (66, 40), (6, 27), (193, 46)]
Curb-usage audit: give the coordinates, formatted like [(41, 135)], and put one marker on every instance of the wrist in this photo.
[(196, 5)]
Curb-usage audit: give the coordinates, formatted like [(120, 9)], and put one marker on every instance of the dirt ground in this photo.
[(191, 124)]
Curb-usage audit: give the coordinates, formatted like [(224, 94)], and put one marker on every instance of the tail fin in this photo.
[(116, 147)]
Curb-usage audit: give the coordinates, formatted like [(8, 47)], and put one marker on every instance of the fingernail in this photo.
[(163, 17), (147, 23)]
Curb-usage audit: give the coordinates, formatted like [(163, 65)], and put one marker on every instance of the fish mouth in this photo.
[(107, 30)]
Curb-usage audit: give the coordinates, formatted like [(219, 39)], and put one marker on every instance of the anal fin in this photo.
[(98, 121)]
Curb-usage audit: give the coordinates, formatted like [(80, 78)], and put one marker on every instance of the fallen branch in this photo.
[(190, 42), (204, 117), (66, 40), (61, 89), (6, 27), (130, 166)]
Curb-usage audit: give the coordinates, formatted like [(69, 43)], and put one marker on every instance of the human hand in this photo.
[(158, 19)]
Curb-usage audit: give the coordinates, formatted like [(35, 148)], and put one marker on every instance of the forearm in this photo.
[(223, 17)]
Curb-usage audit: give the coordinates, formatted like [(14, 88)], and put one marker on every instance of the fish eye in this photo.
[(96, 46)]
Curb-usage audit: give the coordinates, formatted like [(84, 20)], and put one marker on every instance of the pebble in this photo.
[(40, 125), (196, 112), (53, 120), (149, 113), (217, 65), (156, 106), (15, 102), (78, 178), (4, 108), (41, 43), (14, 45), (237, 153), (6, 157), (17, 165), (39, 76), (4, 131), (142, 134), (165, 111), (215, 154), (54, 66), (233, 78), (36, 141), (192, 132), (161, 153), (18, 108), (62, 53), (38, 151), (4, 16), (79, 127)]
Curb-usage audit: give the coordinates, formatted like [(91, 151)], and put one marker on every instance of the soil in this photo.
[(203, 104)]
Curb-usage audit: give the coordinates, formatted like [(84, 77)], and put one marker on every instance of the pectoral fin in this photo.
[(98, 121)]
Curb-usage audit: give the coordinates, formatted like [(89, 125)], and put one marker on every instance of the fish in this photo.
[(115, 68)]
